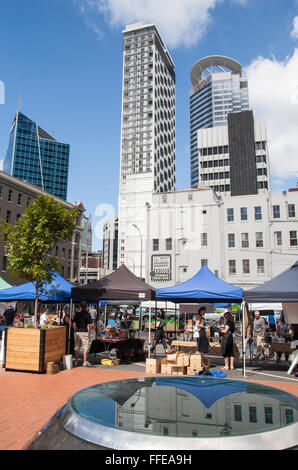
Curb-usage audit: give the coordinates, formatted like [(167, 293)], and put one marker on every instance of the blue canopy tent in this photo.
[(204, 287), (207, 391), (59, 290)]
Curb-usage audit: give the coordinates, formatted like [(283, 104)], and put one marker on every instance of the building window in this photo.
[(190, 196), (230, 215), (232, 266), (9, 197), (56, 251), (276, 212), (259, 240), (8, 217), (243, 213), (155, 244), (237, 413), (291, 210), (63, 253), (62, 271), (168, 243), (258, 213), (260, 266), (244, 240), (293, 238), (289, 416), (204, 262), (245, 264), (164, 198), (278, 238), (19, 199), (253, 414), (28, 201), (1, 189), (204, 239), (231, 240), (268, 415)]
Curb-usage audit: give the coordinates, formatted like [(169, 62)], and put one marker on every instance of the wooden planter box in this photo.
[(30, 350)]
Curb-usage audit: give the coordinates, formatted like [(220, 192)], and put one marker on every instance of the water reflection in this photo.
[(187, 406)]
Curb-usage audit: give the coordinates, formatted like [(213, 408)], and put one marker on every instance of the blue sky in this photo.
[(65, 58)]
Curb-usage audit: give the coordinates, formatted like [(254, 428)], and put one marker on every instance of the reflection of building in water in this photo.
[(172, 411)]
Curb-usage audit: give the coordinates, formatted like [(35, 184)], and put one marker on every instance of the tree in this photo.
[(29, 242)]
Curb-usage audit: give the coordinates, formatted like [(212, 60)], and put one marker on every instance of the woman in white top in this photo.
[(284, 334), (44, 319)]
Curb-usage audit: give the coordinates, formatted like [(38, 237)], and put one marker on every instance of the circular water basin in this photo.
[(183, 413)]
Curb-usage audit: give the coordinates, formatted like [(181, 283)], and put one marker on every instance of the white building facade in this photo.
[(245, 240), (148, 136)]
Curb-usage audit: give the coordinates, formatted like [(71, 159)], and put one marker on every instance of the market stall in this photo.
[(203, 288), (120, 284), (281, 289)]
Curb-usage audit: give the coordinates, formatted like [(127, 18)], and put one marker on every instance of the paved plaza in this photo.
[(29, 401)]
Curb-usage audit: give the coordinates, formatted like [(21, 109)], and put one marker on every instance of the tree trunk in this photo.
[(36, 303)]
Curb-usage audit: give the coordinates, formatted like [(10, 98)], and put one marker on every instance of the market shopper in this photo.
[(200, 335), (44, 319), (259, 329), (93, 314), (9, 315), (227, 344), (284, 335), (82, 327), (249, 336), (160, 333)]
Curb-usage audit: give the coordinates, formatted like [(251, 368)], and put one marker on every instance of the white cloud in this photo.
[(294, 32), (1, 165), (273, 88), (181, 22)]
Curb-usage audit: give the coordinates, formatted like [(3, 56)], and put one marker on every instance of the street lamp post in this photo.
[(135, 226)]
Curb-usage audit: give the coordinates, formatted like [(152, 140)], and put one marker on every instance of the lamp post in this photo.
[(135, 226)]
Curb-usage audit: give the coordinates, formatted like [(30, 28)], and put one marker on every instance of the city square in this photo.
[(166, 319)]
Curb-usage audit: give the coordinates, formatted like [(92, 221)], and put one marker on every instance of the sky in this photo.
[(62, 59)]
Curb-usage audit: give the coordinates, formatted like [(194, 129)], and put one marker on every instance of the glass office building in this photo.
[(218, 90), (35, 156)]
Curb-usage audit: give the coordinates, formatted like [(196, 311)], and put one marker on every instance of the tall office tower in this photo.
[(233, 159), (148, 134), (35, 156), (219, 89)]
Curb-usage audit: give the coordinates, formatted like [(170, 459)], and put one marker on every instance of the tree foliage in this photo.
[(30, 241)]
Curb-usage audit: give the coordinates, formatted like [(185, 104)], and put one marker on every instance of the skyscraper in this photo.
[(35, 156), (148, 135), (219, 88)]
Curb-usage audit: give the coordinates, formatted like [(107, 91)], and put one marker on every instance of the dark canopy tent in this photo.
[(121, 284), (204, 287), (282, 288)]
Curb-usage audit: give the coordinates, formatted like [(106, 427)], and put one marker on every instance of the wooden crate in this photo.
[(196, 361), (179, 370), (153, 366), (191, 371), (183, 360), (30, 349)]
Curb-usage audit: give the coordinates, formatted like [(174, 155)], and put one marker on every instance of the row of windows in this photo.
[(291, 211), (246, 266), (10, 196)]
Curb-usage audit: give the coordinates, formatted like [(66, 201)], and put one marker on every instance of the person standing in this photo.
[(93, 314), (82, 327), (284, 334), (259, 328), (9, 315), (200, 335), (249, 336), (44, 319), (227, 344), (160, 334)]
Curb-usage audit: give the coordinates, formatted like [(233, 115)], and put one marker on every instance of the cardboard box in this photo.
[(195, 361), (183, 360), (153, 366), (191, 371), (172, 357), (179, 370)]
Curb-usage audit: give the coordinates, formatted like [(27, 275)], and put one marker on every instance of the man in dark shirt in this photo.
[(82, 327), (9, 315)]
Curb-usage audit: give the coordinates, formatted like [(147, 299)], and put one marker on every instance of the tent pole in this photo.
[(106, 314), (243, 339), (69, 330), (175, 321), (149, 337)]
